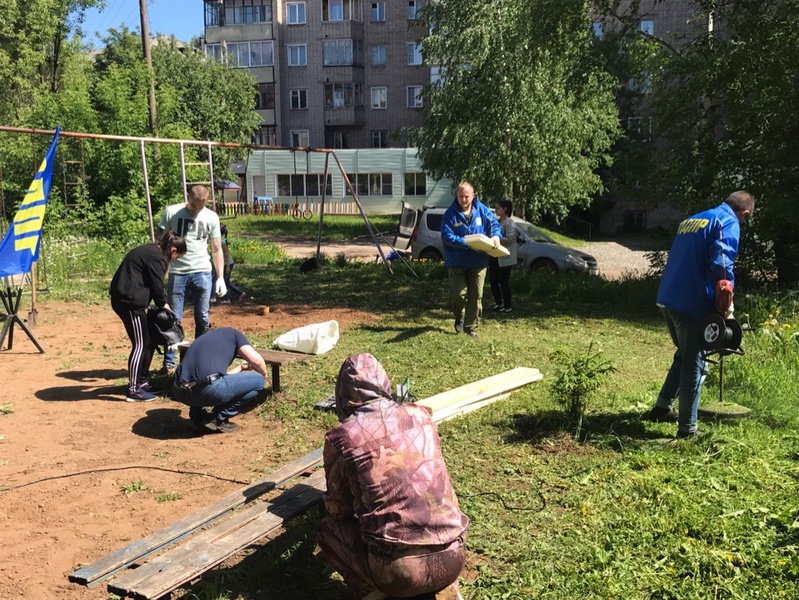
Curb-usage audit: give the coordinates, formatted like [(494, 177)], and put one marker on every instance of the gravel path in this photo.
[(615, 260)]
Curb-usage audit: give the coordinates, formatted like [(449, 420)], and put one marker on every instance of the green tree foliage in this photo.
[(108, 93), (524, 109), (724, 99)]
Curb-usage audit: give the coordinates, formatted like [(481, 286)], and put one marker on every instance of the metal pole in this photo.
[(322, 210), (211, 174), (147, 191), (183, 173)]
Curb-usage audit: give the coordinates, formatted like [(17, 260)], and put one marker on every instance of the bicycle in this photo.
[(298, 211)]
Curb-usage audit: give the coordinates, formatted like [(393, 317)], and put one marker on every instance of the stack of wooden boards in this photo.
[(136, 578)]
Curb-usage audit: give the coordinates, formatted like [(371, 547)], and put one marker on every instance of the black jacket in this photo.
[(140, 278)]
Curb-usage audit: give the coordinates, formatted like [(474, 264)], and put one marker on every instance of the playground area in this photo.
[(70, 416)]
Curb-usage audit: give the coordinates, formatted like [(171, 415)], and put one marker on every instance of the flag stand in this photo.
[(11, 305)]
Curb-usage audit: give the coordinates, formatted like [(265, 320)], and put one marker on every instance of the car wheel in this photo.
[(544, 265), (431, 254)]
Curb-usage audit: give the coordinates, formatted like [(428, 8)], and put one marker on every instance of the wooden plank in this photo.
[(124, 557), (281, 357), (450, 412), (485, 388), (185, 563)]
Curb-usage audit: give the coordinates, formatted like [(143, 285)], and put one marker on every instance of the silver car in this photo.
[(535, 249)]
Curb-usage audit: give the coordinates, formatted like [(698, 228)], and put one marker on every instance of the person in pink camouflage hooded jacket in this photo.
[(393, 522)]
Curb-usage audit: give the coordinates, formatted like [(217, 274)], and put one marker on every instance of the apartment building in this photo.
[(330, 73)]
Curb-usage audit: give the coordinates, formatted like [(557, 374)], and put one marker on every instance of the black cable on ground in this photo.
[(107, 469)]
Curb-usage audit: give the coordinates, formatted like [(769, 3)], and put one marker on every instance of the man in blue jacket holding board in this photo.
[(467, 267), (698, 280)]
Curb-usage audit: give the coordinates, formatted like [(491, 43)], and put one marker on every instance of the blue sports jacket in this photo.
[(454, 228), (702, 254)]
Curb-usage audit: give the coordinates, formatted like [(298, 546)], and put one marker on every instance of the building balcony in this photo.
[(345, 115)]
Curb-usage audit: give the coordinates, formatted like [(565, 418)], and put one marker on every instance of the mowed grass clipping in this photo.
[(624, 511)]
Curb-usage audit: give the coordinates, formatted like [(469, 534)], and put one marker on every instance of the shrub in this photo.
[(578, 377)]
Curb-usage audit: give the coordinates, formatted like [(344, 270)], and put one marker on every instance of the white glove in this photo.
[(221, 288), (728, 313)]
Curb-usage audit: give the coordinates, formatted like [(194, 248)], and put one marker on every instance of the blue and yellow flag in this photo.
[(20, 248)]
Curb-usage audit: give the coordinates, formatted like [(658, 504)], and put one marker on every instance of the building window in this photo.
[(343, 95), (342, 52), (341, 140), (298, 138), (414, 6), (379, 97), (635, 220), (647, 27), (298, 55), (639, 128), (265, 96), (265, 136), (213, 14), (243, 54), (341, 10), (239, 12), (599, 32), (303, 184), (378, 12), (414, 96), (378, 56), (379, 138), (371, 184), (295, 13), (415, 184), (414, 53), (299, 99)]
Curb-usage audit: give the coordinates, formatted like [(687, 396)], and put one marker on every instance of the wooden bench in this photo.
[(275, 358)]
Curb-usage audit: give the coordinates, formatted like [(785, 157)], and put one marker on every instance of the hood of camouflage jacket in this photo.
[(361, 379)]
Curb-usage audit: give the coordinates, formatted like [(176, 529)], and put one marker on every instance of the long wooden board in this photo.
[(108, 566), (485, 388), (206, 550)]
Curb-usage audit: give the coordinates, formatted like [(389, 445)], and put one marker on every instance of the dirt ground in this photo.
[(70, 416)]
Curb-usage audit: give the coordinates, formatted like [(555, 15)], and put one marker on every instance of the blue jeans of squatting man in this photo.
[(227, 395), (199, 284), (688, 369)]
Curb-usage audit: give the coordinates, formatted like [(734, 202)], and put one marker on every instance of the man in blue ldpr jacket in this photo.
[(467, 267), (698, 280)]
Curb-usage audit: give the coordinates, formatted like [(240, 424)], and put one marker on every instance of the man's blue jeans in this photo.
[(227, 395), (199, 284), (687, 372)]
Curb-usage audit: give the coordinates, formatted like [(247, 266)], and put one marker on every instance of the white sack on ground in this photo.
[(317, 338)]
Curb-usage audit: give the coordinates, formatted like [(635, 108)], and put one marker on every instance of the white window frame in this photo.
[(379, 97), (302, 54), (414, 53), (299, 135), (416, 101), (367, 183), (299, 99), (414, 6), (378, 6), (299, 11), (381, 51), (349, 50)]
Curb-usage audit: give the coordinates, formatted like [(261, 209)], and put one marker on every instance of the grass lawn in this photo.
[(623, 511)]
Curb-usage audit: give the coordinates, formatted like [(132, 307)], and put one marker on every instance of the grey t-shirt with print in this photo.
[(197, 231)]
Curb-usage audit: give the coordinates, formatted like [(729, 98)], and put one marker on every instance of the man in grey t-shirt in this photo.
[(192, 273)]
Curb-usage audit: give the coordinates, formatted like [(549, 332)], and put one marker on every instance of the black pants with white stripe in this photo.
[(135, 321)]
